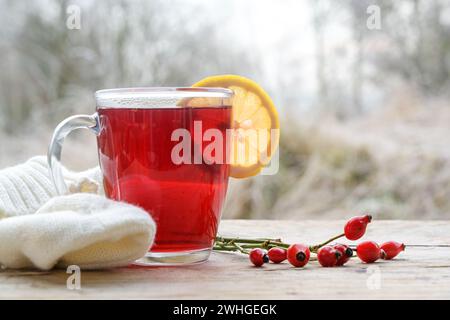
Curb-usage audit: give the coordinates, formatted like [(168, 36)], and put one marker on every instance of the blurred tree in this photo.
[(320, 18), (358, 16), (418, 36), (52, 71)]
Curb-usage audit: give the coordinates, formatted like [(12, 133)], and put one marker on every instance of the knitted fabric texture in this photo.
[(39, 229)]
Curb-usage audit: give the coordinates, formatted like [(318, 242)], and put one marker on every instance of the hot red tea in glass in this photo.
[(135, 135)]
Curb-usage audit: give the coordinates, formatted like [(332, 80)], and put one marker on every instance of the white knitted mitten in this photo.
[(26, 187), (42, 230)]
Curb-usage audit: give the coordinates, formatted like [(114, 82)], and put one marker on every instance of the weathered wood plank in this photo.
[(420, 272)]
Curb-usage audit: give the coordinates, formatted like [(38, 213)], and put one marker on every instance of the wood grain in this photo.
[(421, 272)]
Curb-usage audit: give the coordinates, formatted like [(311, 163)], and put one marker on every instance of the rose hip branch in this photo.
[(263, 250)]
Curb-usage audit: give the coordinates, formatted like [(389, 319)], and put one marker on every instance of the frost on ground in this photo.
[(394, 164)]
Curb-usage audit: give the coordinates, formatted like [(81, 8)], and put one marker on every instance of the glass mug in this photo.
[(138, 131)]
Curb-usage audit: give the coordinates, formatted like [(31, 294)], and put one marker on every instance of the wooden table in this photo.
[(422, 271)]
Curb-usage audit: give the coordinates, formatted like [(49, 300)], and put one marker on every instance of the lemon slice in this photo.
[(255, 124)]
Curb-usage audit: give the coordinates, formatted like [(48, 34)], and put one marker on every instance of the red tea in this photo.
[(185, 200)]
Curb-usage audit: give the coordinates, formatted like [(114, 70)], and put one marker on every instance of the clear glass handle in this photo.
[(54, 151)]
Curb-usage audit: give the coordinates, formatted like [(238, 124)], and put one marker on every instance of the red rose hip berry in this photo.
[(277, 255), (369, 251), (346, 253), (298, 255), (392, 249), (356, 227), (328, 256), (258, 257)]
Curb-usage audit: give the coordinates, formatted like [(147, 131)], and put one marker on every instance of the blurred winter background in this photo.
[(365, 112)]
